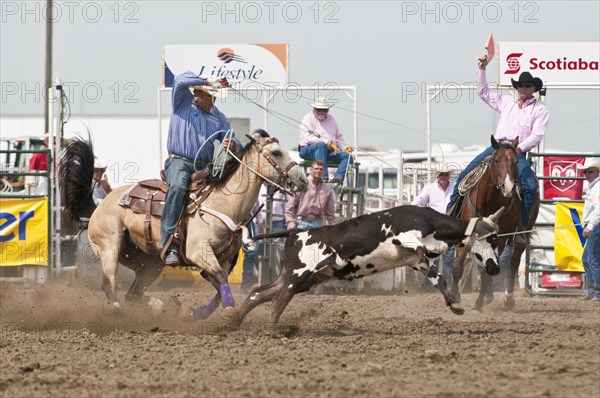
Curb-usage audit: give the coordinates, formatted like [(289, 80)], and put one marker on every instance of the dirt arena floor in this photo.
[(62, 340)]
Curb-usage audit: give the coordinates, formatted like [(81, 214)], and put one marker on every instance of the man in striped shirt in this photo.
[(194, 126)]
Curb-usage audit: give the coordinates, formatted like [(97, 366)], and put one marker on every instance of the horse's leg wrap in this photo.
[(205, 311), (226, 296)]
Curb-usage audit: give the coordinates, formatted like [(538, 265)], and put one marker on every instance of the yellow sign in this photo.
[(568, 238), (186, 273), (23, 231)]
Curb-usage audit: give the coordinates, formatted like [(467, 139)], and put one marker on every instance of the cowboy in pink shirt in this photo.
[(313, 205), (522, 117), (321, 139)]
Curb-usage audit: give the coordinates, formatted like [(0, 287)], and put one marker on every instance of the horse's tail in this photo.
[(278, 234), (76, 174)]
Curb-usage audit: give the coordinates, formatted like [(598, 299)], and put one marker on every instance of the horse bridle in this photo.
[(283, 172), (504, 144)]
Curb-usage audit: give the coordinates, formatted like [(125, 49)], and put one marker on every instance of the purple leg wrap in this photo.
[(226, 295), (204, 312)]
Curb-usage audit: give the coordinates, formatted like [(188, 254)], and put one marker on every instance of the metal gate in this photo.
[(542, 275)]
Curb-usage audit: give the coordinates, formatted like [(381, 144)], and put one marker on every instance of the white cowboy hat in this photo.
[(445, 169), (321, 103), (98, 165), (590, 163)]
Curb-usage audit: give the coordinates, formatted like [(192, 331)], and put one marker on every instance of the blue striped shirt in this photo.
[(190, 126)]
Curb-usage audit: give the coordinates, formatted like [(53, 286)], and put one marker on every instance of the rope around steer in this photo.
[(539, 229)]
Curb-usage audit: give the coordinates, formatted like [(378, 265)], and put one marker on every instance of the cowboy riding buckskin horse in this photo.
[(215, 217)]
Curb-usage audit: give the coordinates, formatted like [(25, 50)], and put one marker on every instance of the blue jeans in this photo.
[(319, 151), (305, 224), (249, 260), (177, 172), (526, 178), (591, 262), (448, 265)]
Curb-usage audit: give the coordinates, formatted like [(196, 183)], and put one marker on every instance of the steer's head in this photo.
[(483, 240)]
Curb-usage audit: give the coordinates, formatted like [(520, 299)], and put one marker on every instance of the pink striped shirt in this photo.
[(528, 122), (328, 130), (318, 201)]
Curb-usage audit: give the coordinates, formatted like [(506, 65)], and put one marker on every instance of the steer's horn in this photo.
[(494, 217)]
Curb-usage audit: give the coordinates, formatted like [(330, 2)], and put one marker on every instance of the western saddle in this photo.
[(148, 197)]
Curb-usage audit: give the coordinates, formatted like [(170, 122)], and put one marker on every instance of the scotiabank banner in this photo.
[(556, 63), (239, 63)]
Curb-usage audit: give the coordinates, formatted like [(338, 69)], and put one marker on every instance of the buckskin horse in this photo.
[(213, 229), (497, 188)]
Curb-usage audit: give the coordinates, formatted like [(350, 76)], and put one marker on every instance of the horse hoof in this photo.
[(509, 303), (116, 306), (199, 313), (229, 313), (457, 309)]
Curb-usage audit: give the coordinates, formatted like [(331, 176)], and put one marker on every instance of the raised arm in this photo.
[(182, 96)]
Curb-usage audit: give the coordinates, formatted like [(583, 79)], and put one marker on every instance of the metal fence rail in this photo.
[(535, 270)]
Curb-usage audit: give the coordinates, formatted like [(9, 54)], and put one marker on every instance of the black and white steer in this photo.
[(402, 236)]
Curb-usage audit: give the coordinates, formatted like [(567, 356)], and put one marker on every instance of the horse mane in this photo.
[(232, 164), (76, 171)]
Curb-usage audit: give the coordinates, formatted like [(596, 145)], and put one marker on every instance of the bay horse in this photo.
[(117, 236), (497, 188)]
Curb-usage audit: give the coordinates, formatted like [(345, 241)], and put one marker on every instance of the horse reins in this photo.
[(283, 173)]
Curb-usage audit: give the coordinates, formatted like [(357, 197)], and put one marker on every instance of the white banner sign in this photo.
[(239, 63), (559, 63)]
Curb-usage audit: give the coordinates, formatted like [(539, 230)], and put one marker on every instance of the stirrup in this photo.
[(172, 258)]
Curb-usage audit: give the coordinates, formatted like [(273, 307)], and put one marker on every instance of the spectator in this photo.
[(39, 162), (100, 185), (591, 218), (321, 139), (255, 226), (279, 200), (312, 206), (437, 196)]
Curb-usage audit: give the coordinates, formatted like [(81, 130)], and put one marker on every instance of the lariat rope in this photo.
[(472, 178), (540, 229)]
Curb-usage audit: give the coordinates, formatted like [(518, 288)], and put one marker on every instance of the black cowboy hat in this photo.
[(526, 78)]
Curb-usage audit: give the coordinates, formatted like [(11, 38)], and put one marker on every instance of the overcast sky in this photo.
[(388, 49)]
